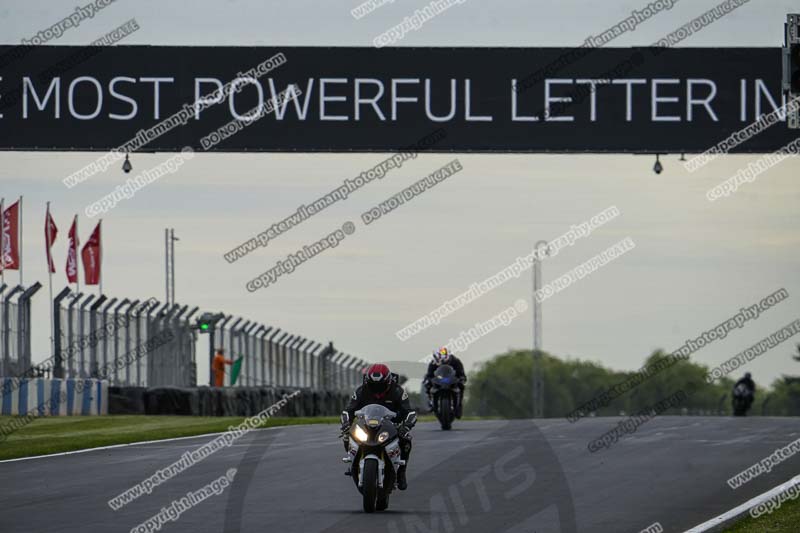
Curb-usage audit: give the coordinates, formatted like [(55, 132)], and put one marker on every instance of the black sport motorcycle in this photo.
[(445, 394), (742, 399), (374, 454)]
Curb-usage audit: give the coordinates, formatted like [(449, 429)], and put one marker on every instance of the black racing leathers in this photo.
[(454, 361), (458, 366), (747, 382), (395, 399)]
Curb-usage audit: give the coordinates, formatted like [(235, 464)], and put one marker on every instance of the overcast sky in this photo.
[(695, 263)]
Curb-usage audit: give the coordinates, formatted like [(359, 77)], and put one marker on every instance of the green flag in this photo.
[(235, 369)]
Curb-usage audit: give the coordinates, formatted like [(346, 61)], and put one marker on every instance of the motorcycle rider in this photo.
[(748, 382), (444, 357), (380, 387)]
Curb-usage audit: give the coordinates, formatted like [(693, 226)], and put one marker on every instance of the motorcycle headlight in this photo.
[(359, 434), (383, 436)]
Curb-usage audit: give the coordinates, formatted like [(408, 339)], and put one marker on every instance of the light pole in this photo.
[(169, 263), (538, 370)]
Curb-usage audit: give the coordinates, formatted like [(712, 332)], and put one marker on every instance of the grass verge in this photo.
[(785, 519), (69, 433)]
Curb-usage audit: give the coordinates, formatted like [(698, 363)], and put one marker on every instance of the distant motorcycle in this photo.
[(445, 393), (742, 399), (374, 455)]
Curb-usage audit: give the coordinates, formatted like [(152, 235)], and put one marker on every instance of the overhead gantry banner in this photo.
[(312, 99)]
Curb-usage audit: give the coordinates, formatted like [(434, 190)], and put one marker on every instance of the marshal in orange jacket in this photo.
[(218, 366)]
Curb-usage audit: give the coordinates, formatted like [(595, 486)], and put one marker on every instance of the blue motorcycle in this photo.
[(445, 394)]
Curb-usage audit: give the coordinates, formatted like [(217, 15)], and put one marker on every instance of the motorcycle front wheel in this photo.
[(370, 488), (445, 412), (382, 502)]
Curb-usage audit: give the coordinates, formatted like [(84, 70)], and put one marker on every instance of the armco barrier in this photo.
[(53, 397), (225, 401)]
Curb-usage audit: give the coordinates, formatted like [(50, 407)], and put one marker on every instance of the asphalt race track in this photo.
[(481, 476)]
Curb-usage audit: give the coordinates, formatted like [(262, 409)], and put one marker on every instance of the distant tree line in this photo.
[(503, 387)]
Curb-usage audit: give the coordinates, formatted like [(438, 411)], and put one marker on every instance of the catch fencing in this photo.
[(146, 343), (113, 339), (276, 358), (15, 328)]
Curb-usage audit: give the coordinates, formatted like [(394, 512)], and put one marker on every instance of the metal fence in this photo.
[(150, 344), (273, 357), (15, 328), (127, 342)]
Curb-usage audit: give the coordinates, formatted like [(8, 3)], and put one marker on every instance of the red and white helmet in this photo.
[(377, 378)]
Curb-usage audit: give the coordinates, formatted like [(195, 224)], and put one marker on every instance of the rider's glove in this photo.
[(346, 421), (403, 431)]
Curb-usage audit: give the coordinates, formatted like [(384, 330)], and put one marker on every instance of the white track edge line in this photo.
[(172, 439), (727, 517)]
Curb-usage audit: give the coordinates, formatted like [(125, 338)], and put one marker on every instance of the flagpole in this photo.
[(100, 259), (77, 261), (50, 278), (2, 248), (2, 254), (19, 234)]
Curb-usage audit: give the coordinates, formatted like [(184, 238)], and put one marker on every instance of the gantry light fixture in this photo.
[(658, 168), (126, 166)]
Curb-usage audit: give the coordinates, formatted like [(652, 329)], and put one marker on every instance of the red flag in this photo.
[(50, 234), (9, 255), (72, 253), (91, 257)]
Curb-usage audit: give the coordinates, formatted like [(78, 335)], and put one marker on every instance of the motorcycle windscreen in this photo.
[(445, 374), (375, 411)]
